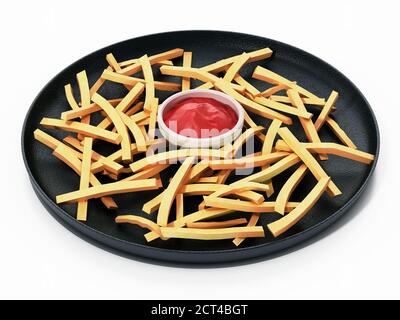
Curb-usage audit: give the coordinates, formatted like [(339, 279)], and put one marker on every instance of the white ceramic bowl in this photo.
[(213, 142)]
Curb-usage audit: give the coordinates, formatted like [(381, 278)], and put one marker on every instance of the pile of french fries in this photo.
[(130, 123)]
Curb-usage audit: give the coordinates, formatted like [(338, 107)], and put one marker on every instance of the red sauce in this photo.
[(200, 118)]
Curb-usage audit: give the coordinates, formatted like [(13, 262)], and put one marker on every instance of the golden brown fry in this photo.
[(212, 234), (217, 224), (81, 213), (187, 62), (108, 189), (285, 223), (326, 110)]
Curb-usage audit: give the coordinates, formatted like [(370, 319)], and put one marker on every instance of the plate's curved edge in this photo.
[(270, 248)]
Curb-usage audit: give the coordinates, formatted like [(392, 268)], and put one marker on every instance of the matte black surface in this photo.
[(51, 177)]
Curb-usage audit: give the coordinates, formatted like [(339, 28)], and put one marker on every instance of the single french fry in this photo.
[(136, 132), (254, 56), (168, 55), (320, 102), (131, 81), (212, 234), (288, 188), (171, 191), (108, 189), (302, 113), (107, 163), (267, 148), (308, 159), (64, 153), (153, 120), (125, 103), (187, 62), (113, 62), (83, 128), (213, 179), (339, 132), (235, 67), (273, 170), (270, 91), (285, 223), (326, 110), (133, 61), (210, 85), (136, 108), (118, 123), (84, 90), (252, 223), (148, 173), (97, 85), (173, 156), (205, 214), (245, 206), (179, 203), (70, 97), (149, 81), (140, 221), (142, 115), (307, 124), (217, 224), (269, 76), (81, 213), (251, 162)]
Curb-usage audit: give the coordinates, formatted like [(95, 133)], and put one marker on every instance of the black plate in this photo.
[(50, 177)]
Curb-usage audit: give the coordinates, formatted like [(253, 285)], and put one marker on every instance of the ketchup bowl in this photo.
[(200, 119)]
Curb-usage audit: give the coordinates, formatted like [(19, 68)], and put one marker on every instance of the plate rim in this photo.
[(299, 237)]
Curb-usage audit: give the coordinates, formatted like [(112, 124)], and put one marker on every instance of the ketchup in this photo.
[(200, 118)]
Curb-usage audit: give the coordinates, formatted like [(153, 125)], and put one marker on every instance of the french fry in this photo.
[(107, 189), (254, 56), (149, 81), (270, 91), (179, 203), (242, 163), (81, 212), (212, 234), (148, 173), (153, 120), (173, 156), (187, 62), (283, 224), (320, 102), (140, 221), (326, 110), (70, 97), (342, 136), (288, 188), (245, 206), (267, 148), (205, 214), (252, 223), (84, 90), (135, 130), (217, 224), (83, 128)]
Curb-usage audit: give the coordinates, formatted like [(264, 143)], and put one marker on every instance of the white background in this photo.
[(41, 259)]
